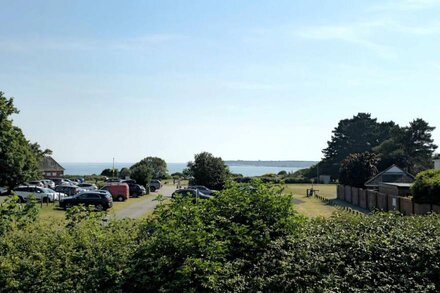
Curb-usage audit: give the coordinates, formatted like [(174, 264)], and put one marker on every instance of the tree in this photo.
[(19, 159), (157, 165), (109, 172), (208, 170), (142, 173), (356, 135), (356, 169), (410, 147), (124, 173)]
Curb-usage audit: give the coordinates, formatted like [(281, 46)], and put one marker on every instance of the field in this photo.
[(312, 206)]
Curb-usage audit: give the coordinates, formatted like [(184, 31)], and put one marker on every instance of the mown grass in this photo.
[(312, 206)]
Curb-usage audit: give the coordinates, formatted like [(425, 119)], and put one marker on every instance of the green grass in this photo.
[(312, 206)]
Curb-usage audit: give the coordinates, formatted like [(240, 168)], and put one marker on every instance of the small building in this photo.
[(50, 168), (395, 189), (391, 175), (324, 179)]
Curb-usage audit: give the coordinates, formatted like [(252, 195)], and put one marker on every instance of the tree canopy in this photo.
[(356, 169), (208, 170), (147, 169), (19, 159)]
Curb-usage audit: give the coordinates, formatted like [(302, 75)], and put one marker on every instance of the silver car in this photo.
[(40, 193)]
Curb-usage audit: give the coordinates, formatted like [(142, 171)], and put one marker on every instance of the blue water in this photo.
[(96, 168)]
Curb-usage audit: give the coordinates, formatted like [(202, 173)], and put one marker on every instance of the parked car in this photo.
[(68, 189), (101, 201), (3, 190), (129, 181), (190, 192), (48, 183), (113, 180), (119, 191), (36, 183), (155, 185), (88, 186), (203, 189), (40, 193), (136, 190), (60, 181)]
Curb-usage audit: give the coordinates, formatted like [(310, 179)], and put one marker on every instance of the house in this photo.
[(50, 168), (395, 189), (391, 175)]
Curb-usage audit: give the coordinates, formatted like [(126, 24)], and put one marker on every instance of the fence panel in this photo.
[(393, 203), (348, 193), (421, 208), (363, 198), (406, 206), (372, 199), (382, 202), (355, 196)]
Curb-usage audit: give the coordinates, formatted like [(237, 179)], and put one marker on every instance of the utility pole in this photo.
[(113, 169)]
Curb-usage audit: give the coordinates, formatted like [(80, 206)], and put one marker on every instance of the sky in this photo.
[(250, 80)]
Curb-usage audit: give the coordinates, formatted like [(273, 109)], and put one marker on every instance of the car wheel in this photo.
[(120, 198), (152, 189), (68, 206), (21, 199), (45, 199), (99, 207)]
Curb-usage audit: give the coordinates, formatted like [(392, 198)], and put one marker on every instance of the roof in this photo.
[(393, 170), (404, 185), (49, 164)]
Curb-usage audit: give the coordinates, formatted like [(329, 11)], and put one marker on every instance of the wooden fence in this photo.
[(373, 200)]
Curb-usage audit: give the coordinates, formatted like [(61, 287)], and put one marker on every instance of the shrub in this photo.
[(426, 187)]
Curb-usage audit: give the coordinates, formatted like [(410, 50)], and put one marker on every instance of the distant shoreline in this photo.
[(287, 164)]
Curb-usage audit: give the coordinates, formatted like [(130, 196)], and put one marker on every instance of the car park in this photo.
[(48, 183), (190, 192), (40, 193), (203, 189), (88, 186), (155, 185), (119, 191), (35, 183), (101, 201), (68, 189), (136, 190), (60, 181)]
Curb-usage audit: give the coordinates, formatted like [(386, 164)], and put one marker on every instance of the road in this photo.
[(139, 209)]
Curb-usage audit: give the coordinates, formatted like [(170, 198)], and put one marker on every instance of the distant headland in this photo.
[(287, 164)]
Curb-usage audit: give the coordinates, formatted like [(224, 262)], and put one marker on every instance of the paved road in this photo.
[(140, 208)]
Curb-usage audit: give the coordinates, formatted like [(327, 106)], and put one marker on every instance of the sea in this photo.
[(245, 170)]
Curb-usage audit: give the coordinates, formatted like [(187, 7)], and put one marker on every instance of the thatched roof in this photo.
[(49, 164)]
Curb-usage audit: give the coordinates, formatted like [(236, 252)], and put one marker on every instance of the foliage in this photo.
[(426, 187), (16, 216), (177, 175), (356, 169), (124, 173), (109, 172), (356, 135), (245, 239), (141, 173), (19, 159), (157, 165), (409, 147), (282, 173), (208, 170), (212, 245)]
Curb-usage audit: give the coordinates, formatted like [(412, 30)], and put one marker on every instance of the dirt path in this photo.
[(145, 206)]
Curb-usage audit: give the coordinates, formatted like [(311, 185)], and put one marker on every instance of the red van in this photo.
[(119, 191)]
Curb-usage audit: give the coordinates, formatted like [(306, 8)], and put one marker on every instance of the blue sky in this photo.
[(241, 79)]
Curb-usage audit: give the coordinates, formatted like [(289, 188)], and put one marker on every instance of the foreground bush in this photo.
[(426, 187), (246, 239)]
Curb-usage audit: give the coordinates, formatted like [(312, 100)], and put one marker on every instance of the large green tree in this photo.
[(356, 169), (356, 135), (410, 147), (208, 170), (19, 159), (147, 169)]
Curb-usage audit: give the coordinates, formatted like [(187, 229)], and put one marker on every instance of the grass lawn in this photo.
[(311, 206)]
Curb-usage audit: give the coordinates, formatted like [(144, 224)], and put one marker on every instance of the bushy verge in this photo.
[(426, 187)]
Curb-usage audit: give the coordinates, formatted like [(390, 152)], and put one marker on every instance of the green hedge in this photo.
[(426, 187), (243, 240)]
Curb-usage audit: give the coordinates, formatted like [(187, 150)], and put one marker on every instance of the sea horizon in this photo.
[(91, 168)]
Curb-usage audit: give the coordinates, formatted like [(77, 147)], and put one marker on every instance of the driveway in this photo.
[(145, 206)]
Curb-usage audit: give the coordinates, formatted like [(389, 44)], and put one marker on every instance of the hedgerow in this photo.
[(247, 238)]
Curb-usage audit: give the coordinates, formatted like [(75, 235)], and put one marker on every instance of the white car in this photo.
[(40, 193)]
